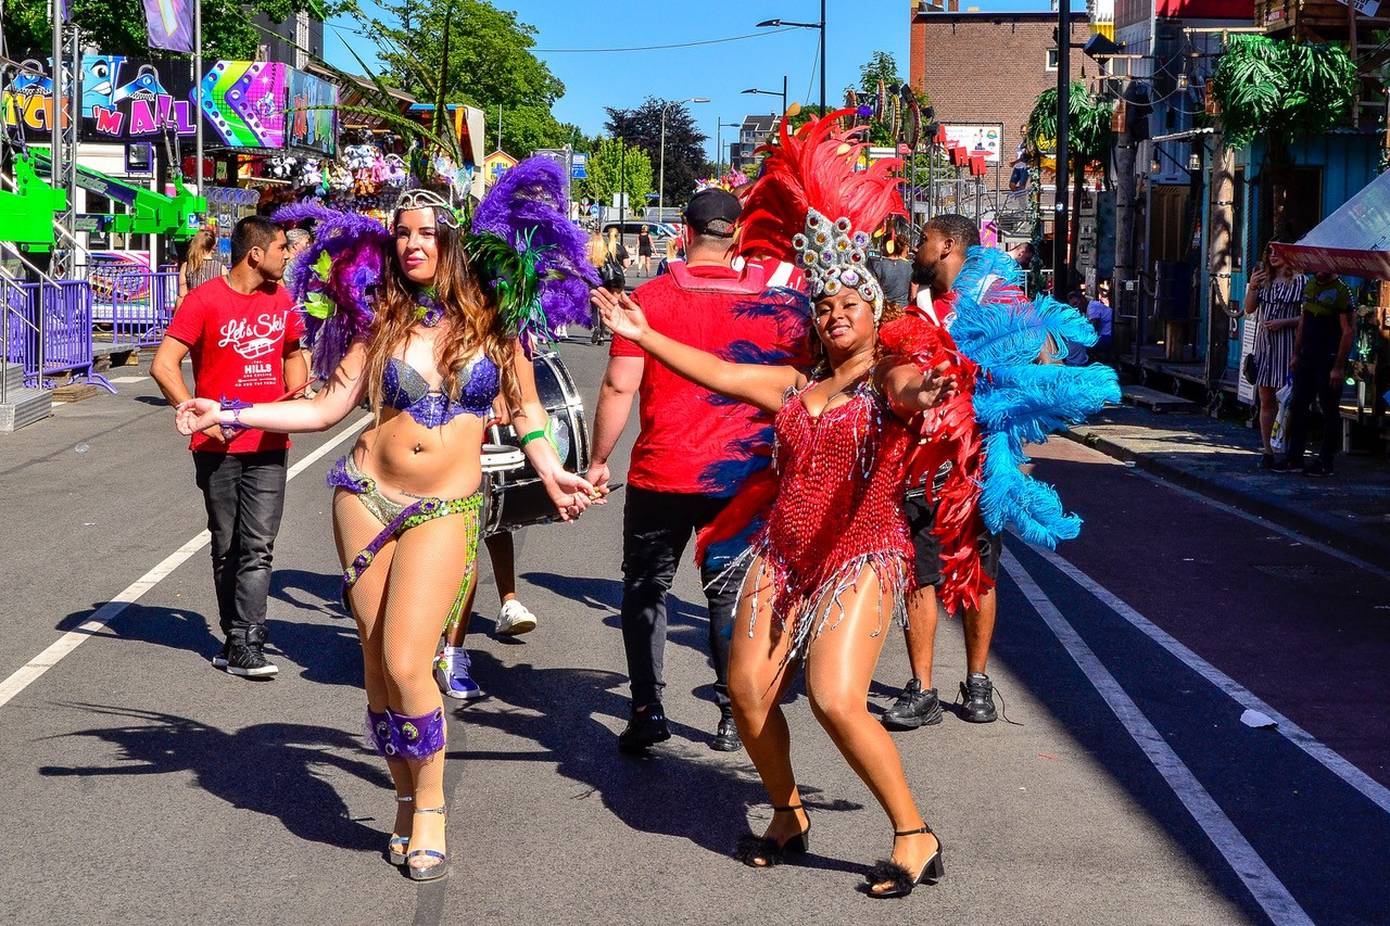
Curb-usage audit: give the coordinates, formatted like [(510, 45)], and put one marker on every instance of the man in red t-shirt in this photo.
[(694, 449), (243, 333)]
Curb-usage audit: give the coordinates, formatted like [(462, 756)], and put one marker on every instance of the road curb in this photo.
[(1365, 545)]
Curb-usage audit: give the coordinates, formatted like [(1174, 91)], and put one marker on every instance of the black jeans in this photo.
[(244, 494), (1313, 380), (657, 526)]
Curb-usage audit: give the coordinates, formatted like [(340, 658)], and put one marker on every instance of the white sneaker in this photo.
[(515, 619)]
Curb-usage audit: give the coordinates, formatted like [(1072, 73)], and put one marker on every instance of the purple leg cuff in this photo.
[(378, 731), (415, 737)]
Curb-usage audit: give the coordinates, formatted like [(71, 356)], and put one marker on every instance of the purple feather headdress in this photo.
[(330, 280), (526, 208)]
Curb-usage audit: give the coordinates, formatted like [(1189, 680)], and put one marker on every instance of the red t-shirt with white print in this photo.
[(238, 344)]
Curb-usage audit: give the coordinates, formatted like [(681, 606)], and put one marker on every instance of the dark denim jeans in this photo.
[(657, 527), (244, 494), (1313, 381)]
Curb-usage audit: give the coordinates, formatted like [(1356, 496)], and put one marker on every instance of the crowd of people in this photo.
[(804, 417)]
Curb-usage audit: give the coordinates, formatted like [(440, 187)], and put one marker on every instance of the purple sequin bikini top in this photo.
[(405, 389)]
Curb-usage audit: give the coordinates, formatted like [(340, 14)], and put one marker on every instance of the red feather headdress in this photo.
[(813, 206)]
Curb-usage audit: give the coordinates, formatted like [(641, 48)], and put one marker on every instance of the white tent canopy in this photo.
[(1354, 240)]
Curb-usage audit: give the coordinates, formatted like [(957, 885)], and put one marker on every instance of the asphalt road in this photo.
[(144, 786)]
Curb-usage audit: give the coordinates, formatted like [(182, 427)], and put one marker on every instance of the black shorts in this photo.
[(921, 517)]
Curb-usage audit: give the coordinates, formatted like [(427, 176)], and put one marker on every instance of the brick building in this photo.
[(988, 67)]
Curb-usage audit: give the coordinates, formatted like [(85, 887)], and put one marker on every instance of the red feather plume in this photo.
[(815, 169)]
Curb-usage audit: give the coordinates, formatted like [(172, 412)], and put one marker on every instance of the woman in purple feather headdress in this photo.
[(429, 324)]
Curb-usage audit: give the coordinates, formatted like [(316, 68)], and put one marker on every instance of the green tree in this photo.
[(607, 162), (486, 63), (686, 164), (881, 66), (117, 27)]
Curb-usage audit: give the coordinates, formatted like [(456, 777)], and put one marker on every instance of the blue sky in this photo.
[(856, 29)]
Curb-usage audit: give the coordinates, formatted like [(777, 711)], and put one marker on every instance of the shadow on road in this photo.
[(269, 768), (328, 653), (681, 789)]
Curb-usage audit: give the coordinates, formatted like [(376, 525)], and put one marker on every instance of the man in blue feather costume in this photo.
[(1023, 395)]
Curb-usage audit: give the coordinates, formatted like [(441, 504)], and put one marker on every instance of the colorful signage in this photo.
[(976, 138), (124, 99)]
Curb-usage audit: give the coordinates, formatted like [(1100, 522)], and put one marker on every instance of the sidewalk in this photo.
[(1220, 459)]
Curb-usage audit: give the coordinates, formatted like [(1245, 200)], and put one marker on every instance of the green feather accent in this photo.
[(323, 266), (319, 306), (511, 272)]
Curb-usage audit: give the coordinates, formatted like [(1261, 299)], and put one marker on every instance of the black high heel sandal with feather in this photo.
[(763, 852), (901, 881)]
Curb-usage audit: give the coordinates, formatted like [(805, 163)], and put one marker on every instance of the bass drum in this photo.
[(516, 496)]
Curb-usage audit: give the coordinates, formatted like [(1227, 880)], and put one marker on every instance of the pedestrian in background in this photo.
[(1274, 296), (644, 252), (892, 265), (1076, 353), (1322, 341), (1101, 316), (243, 334), (200, 265)]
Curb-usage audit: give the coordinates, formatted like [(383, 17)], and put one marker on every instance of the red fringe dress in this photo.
[(838, 509)]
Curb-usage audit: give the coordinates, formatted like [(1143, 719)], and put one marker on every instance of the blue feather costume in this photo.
[(1019, 400)]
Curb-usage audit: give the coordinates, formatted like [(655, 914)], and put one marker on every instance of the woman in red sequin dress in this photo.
[(832, 564)]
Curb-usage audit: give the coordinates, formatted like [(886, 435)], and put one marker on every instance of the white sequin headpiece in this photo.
[(833, 255), (421, 198)]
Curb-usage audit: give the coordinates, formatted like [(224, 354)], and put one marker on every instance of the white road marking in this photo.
[(1269, 892), (31, 671), (126, 379), (1329, 758)]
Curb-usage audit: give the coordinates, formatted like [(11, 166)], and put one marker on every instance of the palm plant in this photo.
[(1089, 137), (1280, 91)]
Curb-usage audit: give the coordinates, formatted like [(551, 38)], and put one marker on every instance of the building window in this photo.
[(301, 39), (1052, 59), (1238, 219)]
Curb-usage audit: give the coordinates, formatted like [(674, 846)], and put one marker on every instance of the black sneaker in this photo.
[(726, 736), (977, 699), (914, 708), (1267, 461), (1318, 468), (219, 661), (646, 728), (248, 661), (1284, 465)]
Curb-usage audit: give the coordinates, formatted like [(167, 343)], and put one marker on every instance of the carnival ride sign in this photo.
[(976, 138), (125, 99)]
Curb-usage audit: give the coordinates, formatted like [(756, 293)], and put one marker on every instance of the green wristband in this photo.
[(532, 436)]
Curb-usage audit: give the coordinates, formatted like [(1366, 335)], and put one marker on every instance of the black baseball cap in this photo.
[(713, 212)]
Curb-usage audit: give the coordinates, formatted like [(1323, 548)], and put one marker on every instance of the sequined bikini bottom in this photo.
[(399, 518)]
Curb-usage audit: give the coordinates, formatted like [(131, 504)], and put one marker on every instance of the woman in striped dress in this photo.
[(1274, 296)]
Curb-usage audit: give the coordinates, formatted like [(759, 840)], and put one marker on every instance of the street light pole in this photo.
[(661, 183), (780, 23), (1060, 281)]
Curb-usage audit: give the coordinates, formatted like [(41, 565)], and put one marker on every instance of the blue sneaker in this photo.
[(451, 673)]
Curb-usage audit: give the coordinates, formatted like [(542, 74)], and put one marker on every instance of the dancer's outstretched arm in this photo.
[(754, 383), (911, 392), (330, 406)]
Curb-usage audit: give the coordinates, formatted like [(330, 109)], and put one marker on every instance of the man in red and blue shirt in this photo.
[(694, 449)]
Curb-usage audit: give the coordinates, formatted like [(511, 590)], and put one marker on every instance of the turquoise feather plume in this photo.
[(1017, 399)]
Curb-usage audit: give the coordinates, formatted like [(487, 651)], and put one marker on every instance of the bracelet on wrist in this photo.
[(234, 406), (538, 433)]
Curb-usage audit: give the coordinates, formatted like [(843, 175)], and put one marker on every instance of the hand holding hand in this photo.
[(572, 494), (598, 475), (197, 414)]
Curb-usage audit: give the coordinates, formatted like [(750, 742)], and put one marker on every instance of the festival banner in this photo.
[(169, 24)]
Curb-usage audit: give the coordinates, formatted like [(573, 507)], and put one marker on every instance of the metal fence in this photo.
[(48, 329), (142, 305)]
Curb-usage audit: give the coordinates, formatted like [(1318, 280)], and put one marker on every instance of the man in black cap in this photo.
[(692, 453)]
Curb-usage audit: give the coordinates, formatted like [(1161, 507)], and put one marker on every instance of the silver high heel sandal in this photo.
[(427, 872), (396, 845)]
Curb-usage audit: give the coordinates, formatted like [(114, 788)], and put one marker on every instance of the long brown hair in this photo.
[(200, 249), (473, 321)]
